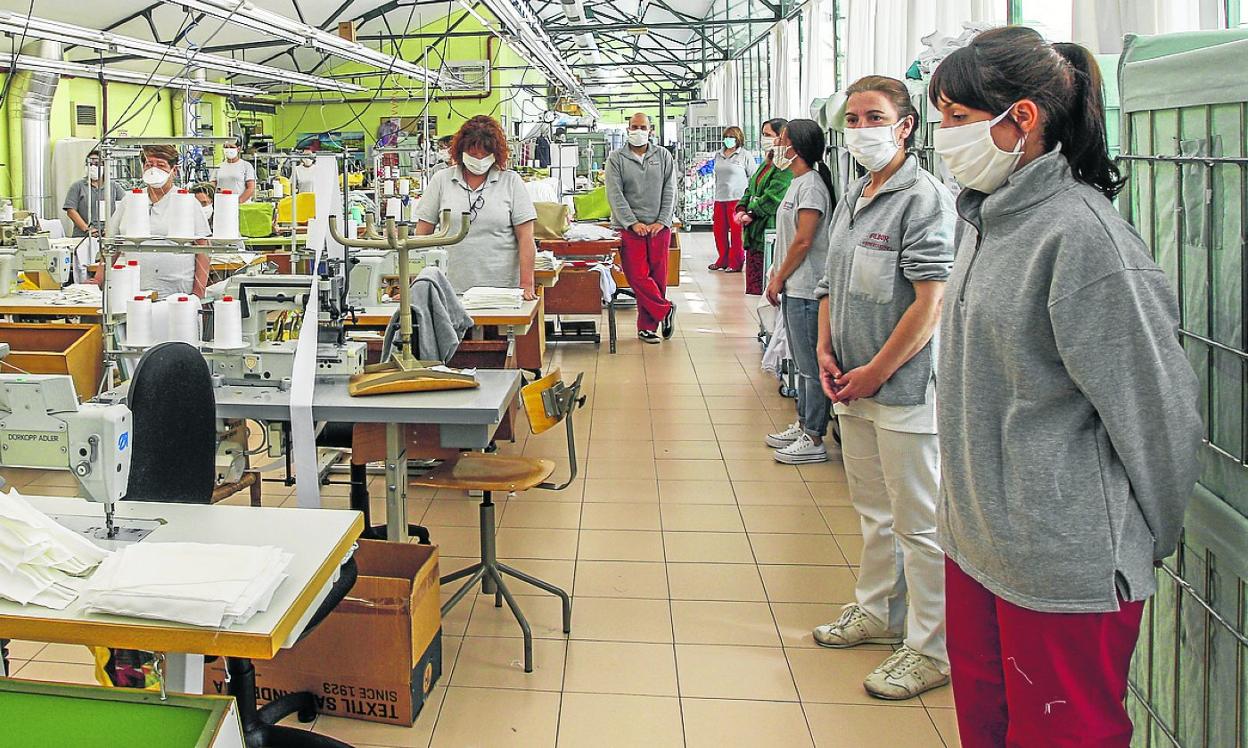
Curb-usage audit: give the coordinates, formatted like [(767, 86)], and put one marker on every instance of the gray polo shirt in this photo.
[(490, 254), (807, 192), (732, 174), (87, 199), (234, 176)]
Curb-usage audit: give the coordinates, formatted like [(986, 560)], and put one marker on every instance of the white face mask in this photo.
[(873, 147), (974, 158), (638, 138), (207, 211), (444, 156), (156, 177), (476, 165), (730, 143), (307, 161), (767, 142), (780, 157), (95, 171), (230, 153)]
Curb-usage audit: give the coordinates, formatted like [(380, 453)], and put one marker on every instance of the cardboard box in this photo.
[(378, 655)]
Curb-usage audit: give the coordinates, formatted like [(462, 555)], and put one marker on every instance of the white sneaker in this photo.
[(649, 336), (854, 627), (904, 675), (802, 452), (782, 439)]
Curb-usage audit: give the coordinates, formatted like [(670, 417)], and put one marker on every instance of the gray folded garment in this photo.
[(439, 320)]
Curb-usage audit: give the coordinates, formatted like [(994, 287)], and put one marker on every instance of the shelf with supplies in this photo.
[(698, 146), (175, 246)]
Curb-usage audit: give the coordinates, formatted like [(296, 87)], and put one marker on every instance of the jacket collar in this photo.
[(1023, 190), (903, 179)]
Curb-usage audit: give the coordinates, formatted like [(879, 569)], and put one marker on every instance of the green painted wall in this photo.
[(309, 113), (140, 113)]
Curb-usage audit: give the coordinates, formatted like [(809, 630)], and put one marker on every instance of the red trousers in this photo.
[(1026, 679), (728, 236), (645, 265)]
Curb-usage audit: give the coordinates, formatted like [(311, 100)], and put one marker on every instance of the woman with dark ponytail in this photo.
[(801, 248), (1068, 413)]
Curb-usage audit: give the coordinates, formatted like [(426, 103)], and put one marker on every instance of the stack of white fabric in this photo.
[(41, 562), (487, 297), (588, 232), (544, 261), (200, 584)]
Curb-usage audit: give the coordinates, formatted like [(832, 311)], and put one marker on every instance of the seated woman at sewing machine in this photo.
[(499, 250), (166, 273)]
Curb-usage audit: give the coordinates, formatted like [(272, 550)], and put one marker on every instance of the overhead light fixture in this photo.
[(82, 70), (638, 31), (244, 13), (38, 28), (528, 38)]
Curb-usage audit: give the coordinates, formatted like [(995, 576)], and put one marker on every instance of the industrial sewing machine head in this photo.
[(42, 425), (46, 262), (272, 307), (375, 272)]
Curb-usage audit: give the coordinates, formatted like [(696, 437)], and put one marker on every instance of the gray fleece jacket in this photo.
[(1067, 409), (875, 257), (641, 189)]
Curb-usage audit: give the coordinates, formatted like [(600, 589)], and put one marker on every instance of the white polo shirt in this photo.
[(490, 254), (234, 176)]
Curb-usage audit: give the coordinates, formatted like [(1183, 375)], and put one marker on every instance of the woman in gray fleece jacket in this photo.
[(890, 252), (1068, 412)]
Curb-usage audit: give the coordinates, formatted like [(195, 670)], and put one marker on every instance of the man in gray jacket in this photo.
[(641, 189)]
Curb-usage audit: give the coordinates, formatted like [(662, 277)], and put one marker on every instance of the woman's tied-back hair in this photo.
[(896, 93), (1003, 66), (808, 141)]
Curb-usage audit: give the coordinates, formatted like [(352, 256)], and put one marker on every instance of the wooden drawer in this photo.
[(47, 348)]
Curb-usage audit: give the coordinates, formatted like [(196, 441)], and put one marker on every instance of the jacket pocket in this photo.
[(873, 274)]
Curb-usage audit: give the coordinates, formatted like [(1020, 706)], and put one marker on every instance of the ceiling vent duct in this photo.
[(32, 95), (574, 11)]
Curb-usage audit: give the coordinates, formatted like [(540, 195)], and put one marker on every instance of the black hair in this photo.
[(776, 124), (808, 141), (897, 94), (445, 141), (1005, 65)]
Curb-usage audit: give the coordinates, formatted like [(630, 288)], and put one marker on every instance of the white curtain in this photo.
[(884, 35), (722, 86), (818, 56), (786, 62), (1100, 25)]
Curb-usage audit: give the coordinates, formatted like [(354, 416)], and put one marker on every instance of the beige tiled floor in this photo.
[(697, 565)]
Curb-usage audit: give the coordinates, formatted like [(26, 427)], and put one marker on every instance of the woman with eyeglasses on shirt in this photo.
[(1068, 412), (499, 250)]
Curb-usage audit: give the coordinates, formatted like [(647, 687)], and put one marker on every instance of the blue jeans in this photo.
[(801, 319)]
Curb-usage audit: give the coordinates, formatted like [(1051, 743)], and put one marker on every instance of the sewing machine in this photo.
[(42, 425), (270, 304), (374, 270), (46, 262)]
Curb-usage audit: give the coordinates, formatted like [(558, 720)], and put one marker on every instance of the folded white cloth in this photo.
[(544, 261), (196, 583), (586, 232), (486, 297), (41, 561)]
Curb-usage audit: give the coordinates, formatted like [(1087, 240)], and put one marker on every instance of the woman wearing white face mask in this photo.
[(303, 174), (890, 251), (164, 272), (756, 210), (733, 168), (235, 174), (499, 249), (84, 202), (1068, 412)]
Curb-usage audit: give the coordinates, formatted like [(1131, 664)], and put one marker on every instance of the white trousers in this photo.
[(894, 478)]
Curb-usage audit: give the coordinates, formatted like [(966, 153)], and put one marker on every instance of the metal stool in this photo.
[(548, 401)]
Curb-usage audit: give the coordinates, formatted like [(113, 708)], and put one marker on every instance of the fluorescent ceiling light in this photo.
[(42, 64), (243, 13), (38, 28), (527, 37)]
